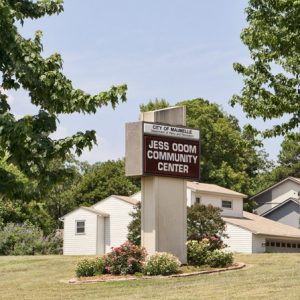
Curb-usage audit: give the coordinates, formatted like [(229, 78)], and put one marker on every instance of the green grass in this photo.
[(270, 276)]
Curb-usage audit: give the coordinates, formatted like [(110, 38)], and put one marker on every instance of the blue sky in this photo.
[(172, 49)]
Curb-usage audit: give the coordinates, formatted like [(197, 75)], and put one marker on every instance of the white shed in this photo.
[(94, 230)]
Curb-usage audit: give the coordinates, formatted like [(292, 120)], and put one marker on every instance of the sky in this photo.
[(172, 49)]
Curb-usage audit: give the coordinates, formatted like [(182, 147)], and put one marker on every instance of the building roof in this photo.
[(213, 189), (263, 226), (280, 205), (294, 179), (89, 209), (126, 199)]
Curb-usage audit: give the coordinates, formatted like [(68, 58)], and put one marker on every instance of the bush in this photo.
[(161, 263), (206, 222), (90, 267), (126, 259), (18, 239), (218, 258), (197, 252), (26, 239)]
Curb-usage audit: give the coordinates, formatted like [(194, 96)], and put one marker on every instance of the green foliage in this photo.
[(134, 227), (90, 267), (154, 105), (27, 239), (271, 82), (197, 252), (229, 155), (126, 259), (204, 222), (27, 140), (219, 259), (161, 263), (104, 179)]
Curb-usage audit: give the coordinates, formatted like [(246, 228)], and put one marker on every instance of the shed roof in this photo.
[(126, 199), (89, 209), (212, 189), (263, 226)]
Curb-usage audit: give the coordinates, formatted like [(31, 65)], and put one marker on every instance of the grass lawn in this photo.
[(270, 276)]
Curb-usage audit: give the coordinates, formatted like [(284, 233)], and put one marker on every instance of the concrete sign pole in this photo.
[(164, 200), (174, 156)]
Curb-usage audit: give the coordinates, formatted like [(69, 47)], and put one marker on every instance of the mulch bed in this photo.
[(109, 277)]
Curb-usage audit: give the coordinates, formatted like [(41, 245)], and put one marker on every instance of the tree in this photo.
[(104, 179), (205, 222), (202, 222), (27, 140), (154, 105), (272, 82), (229, 155), (134, 227)]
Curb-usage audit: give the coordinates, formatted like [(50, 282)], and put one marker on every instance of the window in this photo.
[(288, 245), (293, 245), (283, 245), (226, 204), (272, 244), (267, 244), (277, 244), (80, 227), (298, 245), (198, 199)]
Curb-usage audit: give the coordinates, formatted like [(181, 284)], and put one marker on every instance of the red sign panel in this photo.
[(175, 157)]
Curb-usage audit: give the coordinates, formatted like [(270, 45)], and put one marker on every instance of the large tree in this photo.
[(229, 155), (102, 180), (26, 140), (272, 81)]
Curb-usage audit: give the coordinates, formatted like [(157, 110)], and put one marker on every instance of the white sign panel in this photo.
[(171, 131)]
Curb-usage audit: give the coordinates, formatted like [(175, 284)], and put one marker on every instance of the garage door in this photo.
[(286, 246)]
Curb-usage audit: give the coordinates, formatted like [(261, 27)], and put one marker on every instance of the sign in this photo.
[(171, 151)]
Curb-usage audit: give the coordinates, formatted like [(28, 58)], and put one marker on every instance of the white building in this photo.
[(94, 230)]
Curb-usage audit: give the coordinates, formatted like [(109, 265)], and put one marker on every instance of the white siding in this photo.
[(100, 235), (116, 224), (137, 196), (239, 239), (216, 200), (258, 244), (80, 244), (189, 197)]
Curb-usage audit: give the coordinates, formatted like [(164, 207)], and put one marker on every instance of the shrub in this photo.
[(206, 222), (161, 263), (218, 258), (197, 252), (126, 259), (18, 239), (26, 239), (90, 267)]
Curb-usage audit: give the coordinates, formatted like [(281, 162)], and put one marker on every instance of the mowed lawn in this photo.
[(268, 276)]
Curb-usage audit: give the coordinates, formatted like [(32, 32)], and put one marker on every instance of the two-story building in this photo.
[(280, 202)]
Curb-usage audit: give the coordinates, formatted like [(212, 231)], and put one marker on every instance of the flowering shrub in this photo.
[(197, 252), (90, 267), (218, 258), (126, 259), (161, 263)]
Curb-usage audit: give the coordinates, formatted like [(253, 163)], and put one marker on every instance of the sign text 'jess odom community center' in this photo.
[(171, 151)]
